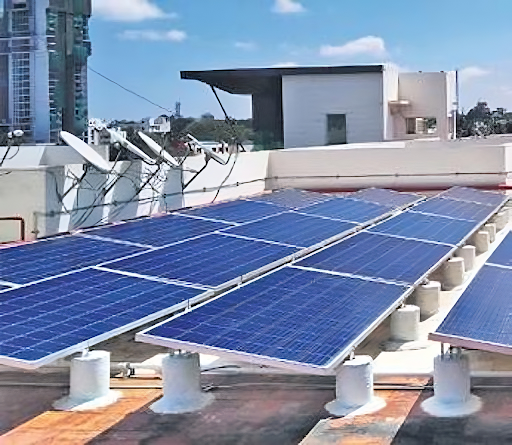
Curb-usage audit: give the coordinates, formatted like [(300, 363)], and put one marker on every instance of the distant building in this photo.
[(316, 106), (44, 46), (161, 124)]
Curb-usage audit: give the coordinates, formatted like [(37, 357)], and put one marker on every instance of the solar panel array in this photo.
[(481, 317), (292, 198), (386, 197), (473, 195), (310, 315), (73, 291)]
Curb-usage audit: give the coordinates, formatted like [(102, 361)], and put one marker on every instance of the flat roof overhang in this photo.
[(257, 80)]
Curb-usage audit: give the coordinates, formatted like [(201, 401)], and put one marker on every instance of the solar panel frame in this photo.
[(457, 230), (226, 212), (293, 199), (386, 197), (479, 284), (375, 213), (326, 369), (474, 195), (140, 232), (127, 265), (287, 218), (198, 297)]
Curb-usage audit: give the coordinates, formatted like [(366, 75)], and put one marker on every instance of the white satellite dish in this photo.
[(129, 146), (208, 151), (85, 151), (158, 150)]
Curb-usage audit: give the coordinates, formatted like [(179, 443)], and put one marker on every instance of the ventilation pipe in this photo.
[(354, 389), (468, 254), (89, 383), (452, 387), (481, 241), (405, 324), (426, 297), (181, 374), (453, 273), (490, 228)]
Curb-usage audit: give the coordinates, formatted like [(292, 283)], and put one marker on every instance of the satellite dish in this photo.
[(158, 150), (129, 146), (208, 151), (85, 151)]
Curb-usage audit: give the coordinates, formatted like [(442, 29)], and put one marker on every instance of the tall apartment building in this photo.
[(44, 46)]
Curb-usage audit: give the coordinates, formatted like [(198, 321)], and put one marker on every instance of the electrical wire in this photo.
[(130, 91)]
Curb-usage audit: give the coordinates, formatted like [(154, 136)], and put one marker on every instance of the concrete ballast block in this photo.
[(405, 323), (453, 273), (468, 253), (482, 242), (427, 297)]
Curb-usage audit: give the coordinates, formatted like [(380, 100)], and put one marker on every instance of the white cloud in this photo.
[(285, 65), (246, 46), (473, 72), (128, 10), (288, 7), (369, 45), (173, 35)]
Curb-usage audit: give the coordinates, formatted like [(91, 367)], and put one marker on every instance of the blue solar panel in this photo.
[(503, 254), (4, 288), (236, 211), (292, 198), (426, 227), (379, 256), (158, 231), (347, 209), (69, 313), (212, 260), (455, 209), (31, 262), (289, 315), (385, 197), (483, 312), (478, 196), (292, 228)]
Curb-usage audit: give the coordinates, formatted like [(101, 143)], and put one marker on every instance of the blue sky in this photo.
[(144, 44)]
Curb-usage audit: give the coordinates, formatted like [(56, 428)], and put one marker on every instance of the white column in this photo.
[(468, 253), (405, 323), (453, 273), (181, 374), (452, 388), (482, 241), (427, 297), (491, 229), (501, 220), (354, 389), (89, 383)]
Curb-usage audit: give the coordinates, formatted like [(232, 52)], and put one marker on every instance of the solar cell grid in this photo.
[(385, 197), (35, 261), (292, 228), (66, 314), (292, 198), (426, 227), (212, 260), (379, 256), (236, 211), (482, 314), (158, 231), (290, 315), (473, 195), (455, 209), (347, 209), (503, 254)]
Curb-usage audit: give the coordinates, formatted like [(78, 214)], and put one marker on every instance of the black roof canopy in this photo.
[(257, 80)]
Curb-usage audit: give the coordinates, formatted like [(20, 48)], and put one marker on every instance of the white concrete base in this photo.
[(453, 273), (482, 241), (405, 323), (468, 254), (354, 389), (452, 388), (181, 375), (501, 220), (490, 228), (427, 298), (89, 383)]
